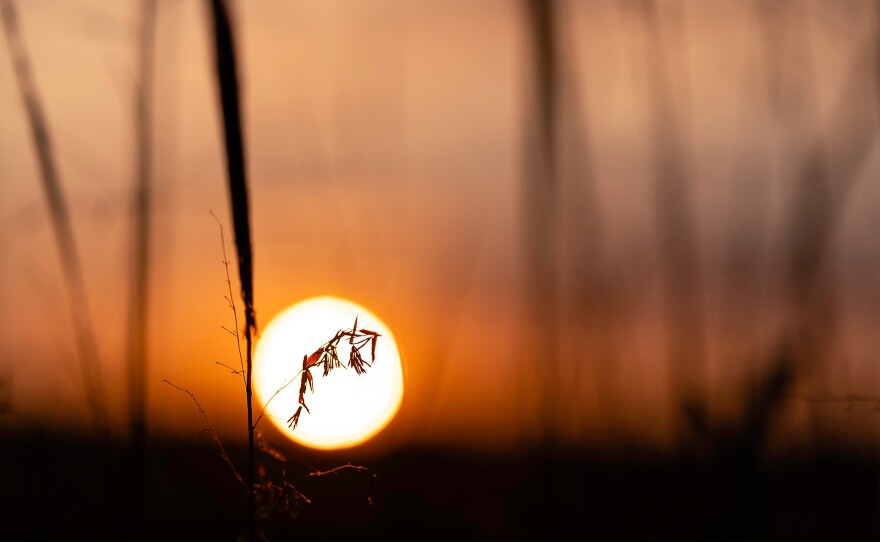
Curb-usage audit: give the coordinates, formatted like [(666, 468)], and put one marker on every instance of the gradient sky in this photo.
[(385, 147)]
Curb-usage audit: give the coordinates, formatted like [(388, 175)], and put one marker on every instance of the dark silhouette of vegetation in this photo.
[(227, 81), (272, 497)]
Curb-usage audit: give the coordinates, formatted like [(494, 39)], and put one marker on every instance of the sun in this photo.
[(346, 408)]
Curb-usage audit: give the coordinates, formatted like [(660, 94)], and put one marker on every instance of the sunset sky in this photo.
[(386, 147)]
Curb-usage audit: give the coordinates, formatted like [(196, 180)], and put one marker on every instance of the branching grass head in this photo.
[(327, 358)]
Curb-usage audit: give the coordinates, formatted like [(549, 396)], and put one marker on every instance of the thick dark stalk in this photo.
[(541, 223), (140, 240), (140, 263), (227, 80), (86, 342)]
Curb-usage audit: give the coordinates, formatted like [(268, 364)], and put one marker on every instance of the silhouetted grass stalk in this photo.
[(282, 496), (140, 238), (86, 343), (230, 300), (227, 80), (541, 224)]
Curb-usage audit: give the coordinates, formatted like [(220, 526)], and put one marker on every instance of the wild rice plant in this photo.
[(227, 80), (327, 357), (281, 496)]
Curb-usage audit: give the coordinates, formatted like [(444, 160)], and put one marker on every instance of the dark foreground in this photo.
[(53, 488)]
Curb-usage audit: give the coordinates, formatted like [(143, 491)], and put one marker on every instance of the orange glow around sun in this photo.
[(346, 408)]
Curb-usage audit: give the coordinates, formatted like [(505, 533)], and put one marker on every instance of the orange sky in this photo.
[(384, 143)]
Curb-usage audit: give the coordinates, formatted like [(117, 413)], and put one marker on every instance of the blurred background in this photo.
[(629, 251)]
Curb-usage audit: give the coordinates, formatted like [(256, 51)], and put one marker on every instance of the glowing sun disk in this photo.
[(346, 408)]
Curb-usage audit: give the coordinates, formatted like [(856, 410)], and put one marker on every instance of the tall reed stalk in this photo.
[(140, 234), (62, 228), (227, 82), (541, 221)]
